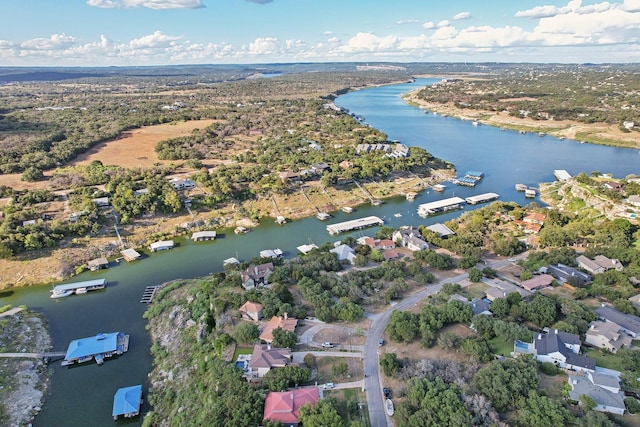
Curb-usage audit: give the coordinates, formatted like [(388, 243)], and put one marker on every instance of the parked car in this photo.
[(327, 345), (327, 386), (380, 342), (387, 393)]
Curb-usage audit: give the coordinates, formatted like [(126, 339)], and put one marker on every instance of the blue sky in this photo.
[(160, 32)]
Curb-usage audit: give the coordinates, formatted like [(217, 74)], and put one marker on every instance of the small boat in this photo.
[(61, 294), (347, 209), (439, 188), (241, 230), (81, 291), (323, 216), (281, 220), (475, 123), (397, 215), (389, 407), (376, 202)]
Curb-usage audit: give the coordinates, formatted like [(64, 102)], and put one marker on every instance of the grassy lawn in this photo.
[(242, 350), (351, 404), (500, 346), (610, 361)]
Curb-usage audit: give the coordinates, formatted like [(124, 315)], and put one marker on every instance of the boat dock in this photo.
[(481, 198), (96, 348), (475, 175), (443, 205), (356, 224), (521, 187), (467, 182), (60, 291), (149, 294)]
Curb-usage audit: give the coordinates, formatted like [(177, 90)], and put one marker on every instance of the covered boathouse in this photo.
[(127, 401), (97, 347)]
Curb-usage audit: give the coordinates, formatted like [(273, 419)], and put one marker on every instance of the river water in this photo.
[(83, 395)]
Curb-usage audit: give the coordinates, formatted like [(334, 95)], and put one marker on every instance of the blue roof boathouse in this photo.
[(127, 401), (97, 347)]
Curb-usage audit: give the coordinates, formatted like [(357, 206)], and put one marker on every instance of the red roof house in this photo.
[(285, 406)]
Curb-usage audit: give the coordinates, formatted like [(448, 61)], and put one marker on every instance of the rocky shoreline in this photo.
[(24, 381)]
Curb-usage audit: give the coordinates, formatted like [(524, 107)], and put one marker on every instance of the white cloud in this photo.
[(428, 25), (461, 16), (55, 42), (369, 42), (408, 21), (631, 5), (443, 23), (264, 46), (156, 40), (150, 4), (333, 40)]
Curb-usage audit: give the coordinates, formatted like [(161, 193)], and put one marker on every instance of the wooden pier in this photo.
[(46, 355), (149, 294)]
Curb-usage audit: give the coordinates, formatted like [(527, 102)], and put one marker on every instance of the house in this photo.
[(537, 282), (127, 401), (562, 349), (399, 150), (565, 273), (635, 300), (603, 389), (344, 253), (380, 244), (410, 238), (606, 335), (182, 184), (613, 186), (256, 275), (481, 306), (101, 202), (346, 164), (628, 323), (502, 288), (284, 322), (288, 175), (284, 406), (251, 310), (265, 357), (98, 264), (534, 218), (320, 167), (442, 230), (599, 264)]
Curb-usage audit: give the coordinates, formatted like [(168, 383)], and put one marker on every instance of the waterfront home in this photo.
[(127, 401), (537, 282), (607, 335), (284, 406), (562, 349), (410, 238), (97, 347), (98, 264), (442, 230), (344, 253), (251, 311), (603, 389), (285, 322), (264, 358), (629, 324), (256, 275)]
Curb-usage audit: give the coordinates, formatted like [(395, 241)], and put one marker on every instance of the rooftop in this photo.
[(127, 400), (98, 344)]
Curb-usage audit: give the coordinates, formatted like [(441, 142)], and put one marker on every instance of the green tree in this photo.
[(403, 326), (475, 275), (340, 369), (505, 382), (284, 339), (32, 174), (390, 364), (540, 411), (246, 332), (323, 414)]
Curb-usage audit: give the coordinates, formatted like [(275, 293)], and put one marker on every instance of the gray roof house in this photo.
[(561, 349), (599, 264), (603, 389), (564, 272), (629, 324), (256, 275), (607, 335), (344, 253), (410, 238)]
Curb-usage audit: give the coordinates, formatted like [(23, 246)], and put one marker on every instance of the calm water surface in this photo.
[(83, 395)]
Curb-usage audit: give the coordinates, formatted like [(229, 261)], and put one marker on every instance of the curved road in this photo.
[(373, 386)]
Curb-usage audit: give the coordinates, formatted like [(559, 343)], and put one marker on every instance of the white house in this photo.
[(603, 389)]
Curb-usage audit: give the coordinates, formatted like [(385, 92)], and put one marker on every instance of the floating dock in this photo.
[(530, 192), (161, 245), (443, 205), (97, 347), (521, 187), (481, 198), (467, 182), (199, 236), (149, 294), (61, 291), (475, 175), (356, 224)]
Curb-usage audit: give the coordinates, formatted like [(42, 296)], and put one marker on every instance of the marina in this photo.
[(96, 348), (61, 291), (356, 224), (481, 198), (443, 205)]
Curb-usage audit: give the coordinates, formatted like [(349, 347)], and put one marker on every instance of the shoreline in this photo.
[(596, 133), (34, 269)]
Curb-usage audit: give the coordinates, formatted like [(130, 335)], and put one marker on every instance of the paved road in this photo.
[(372, 382), (298, 356)]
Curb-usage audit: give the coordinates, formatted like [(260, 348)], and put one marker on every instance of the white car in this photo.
[(327, 345), (328, 386)]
